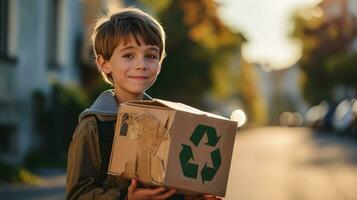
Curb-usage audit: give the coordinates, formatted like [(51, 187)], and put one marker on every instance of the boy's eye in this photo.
[(152, 57), (129, 56)]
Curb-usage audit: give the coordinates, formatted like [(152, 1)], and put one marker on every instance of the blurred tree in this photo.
[(247, 83), (197, 41), (343, 67), (326, 49), (55, 119)]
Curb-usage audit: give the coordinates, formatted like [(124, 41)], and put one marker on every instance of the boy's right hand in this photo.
[(159, 193)]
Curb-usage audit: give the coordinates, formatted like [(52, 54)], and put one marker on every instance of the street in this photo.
[(268, 163), (51, 186), (292, 163)]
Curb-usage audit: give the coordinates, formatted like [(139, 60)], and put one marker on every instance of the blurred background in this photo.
[(285, 69)]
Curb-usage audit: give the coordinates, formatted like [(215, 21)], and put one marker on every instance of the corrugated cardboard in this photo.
[(174, 145)]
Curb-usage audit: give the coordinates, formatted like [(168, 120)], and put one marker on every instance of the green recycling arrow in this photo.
[(208, 173), (189, 170), (200, 131)]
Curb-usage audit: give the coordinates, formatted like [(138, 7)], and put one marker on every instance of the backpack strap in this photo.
[(106, 135)]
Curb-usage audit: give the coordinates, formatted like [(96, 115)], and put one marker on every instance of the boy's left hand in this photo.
[(201, 197)]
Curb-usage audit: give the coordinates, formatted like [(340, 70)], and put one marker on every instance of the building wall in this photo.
[(29, 70), (280, 90)]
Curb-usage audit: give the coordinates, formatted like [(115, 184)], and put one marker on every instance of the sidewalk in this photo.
[(284, 163), (50, 187)]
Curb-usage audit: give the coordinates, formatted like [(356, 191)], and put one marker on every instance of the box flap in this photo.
[(174, 105), (147, 104)]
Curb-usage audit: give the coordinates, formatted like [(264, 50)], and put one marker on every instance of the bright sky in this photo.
[(266, 24)]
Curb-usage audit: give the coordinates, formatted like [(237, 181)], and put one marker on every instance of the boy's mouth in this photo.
[(139, 77)]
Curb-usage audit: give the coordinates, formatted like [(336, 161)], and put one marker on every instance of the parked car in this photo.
[(291, 119), (352, 129), (343, 116), (314, 117)]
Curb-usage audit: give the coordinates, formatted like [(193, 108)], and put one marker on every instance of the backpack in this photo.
[(106, 131)]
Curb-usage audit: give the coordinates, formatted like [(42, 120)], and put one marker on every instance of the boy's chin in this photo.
[(138, 91)]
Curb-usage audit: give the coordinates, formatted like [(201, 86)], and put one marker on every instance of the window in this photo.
[(8, 12), (52, 34), (7, 132), (4, 20)]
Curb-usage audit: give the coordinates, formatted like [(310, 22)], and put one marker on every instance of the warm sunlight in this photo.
[(266, 24)]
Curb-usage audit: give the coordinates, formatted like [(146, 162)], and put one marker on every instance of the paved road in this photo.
[(292, 164), (268, 164), (51, 186)]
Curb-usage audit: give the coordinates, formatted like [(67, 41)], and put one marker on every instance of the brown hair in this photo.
[(118, 25)]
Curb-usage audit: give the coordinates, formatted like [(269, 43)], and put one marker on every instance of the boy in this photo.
[(129, 46)]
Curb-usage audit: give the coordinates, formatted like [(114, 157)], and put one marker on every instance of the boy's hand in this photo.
[(202, 197), (159, 193)]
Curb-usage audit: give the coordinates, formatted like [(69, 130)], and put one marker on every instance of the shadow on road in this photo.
[(50, 187), (52, 193), (334, 149)]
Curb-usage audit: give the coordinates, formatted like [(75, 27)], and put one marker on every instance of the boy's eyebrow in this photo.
[(154, 48), (127, 47)]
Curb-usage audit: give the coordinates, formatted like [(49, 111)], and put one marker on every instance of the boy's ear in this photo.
[(159, 69), (103, 64)]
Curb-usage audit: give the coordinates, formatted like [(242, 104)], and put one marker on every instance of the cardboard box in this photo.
[(174, 145)]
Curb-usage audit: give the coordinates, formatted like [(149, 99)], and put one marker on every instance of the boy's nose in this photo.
[(141, 64)]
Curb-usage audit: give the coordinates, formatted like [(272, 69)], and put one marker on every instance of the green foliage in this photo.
[(68, 102), (55, 120), (44, 158), (8, 173), (157, 6), (325, 60), (94, 91), (204, 55), (343, 68), (196, 39), (12, 174), (246, 82)]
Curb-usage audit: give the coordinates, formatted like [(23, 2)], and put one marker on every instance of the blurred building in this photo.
[(40, 41), (281, 91), (337, 8), (344, 13)]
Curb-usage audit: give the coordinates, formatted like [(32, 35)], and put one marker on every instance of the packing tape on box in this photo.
[(150, 132)]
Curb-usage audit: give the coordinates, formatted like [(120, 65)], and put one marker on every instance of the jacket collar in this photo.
[(105, 105)]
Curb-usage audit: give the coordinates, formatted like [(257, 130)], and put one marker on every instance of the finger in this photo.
[(148, 193), (211, 197), (132, 186), (156, 191), (165, 195), (144, 193)]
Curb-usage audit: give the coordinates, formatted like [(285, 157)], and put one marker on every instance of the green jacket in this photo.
[(84, 158)]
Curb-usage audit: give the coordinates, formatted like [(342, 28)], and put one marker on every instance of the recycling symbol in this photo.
[(190, 169)]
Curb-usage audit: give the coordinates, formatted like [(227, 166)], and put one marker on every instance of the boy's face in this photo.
[(134, 67)]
